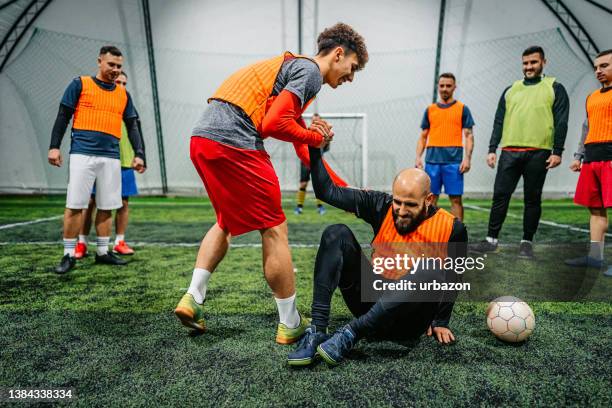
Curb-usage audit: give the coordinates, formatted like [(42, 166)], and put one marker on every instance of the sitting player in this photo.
[(407, 216)]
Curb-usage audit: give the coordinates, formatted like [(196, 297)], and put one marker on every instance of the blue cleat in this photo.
[(336, 348), (304, 353), (298, 211), (321, 210), (608, 273)]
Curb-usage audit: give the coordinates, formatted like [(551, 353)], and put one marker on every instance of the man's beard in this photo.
[(403, 228), (536, 72)]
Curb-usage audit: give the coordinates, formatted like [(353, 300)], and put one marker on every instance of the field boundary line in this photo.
[(246, 245), (543, 222), (19, 224)]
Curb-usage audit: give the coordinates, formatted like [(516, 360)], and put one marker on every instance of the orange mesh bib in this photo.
[(445, 125), (429, 239), (250, 88), (100, 110), (599, 111)]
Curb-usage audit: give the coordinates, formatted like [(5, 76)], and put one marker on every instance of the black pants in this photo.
[(531, 165), (339, 263)]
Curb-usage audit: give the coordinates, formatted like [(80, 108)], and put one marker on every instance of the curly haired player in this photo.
[(262, 100)]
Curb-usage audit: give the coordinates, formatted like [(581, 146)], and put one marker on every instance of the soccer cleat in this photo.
[(298, 211), (285, 335), (321, 210), (338, 346), (608, 273), (306, 350), (123, 249), (526, 250), (110, 259), (81, 250), (67, 263), (190, 313), (585, 261), (484, 247)]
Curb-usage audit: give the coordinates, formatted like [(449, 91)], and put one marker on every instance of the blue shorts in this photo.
[(128, 183), (447, 175)]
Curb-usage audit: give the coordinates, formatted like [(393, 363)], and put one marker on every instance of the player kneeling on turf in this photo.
[(408, 216)]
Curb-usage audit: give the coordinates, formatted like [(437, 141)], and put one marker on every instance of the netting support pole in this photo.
[(300, 8), (364, 153), (158, 125), (439, 49)]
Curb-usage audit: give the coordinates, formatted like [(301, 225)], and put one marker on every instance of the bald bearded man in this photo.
[(406, 216)]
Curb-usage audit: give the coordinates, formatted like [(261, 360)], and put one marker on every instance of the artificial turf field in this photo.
[(111, 335)]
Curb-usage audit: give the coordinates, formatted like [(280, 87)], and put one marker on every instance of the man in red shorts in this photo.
[(261, 100), (594, 162)]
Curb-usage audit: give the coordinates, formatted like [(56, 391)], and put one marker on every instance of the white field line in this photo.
[(154, 244), (197, 244), (543, 222), (19, 224)]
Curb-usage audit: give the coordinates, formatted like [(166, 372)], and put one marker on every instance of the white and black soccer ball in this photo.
[(510, 319)]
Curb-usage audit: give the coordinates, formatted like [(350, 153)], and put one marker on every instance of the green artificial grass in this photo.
[(110, 333)]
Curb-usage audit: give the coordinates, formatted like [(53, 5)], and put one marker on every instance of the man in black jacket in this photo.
[(407, 216)]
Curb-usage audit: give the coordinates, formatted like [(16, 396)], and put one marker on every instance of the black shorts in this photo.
[(304, 173)]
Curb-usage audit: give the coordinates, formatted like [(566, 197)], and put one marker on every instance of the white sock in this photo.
[(287, 312), (69, 245), (102, 245), (119, 237), (83, 239), (199, 284), (596, 250), (492, 240)]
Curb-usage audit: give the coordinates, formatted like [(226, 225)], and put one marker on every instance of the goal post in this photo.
[(348, 125)]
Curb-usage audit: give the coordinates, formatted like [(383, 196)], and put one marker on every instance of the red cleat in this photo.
[(123, 249), (80, 251)]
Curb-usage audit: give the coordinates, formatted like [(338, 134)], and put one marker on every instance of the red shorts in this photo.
[(594, 187), (241, 185)]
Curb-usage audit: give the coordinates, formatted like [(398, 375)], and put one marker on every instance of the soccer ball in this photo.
[(510, 319)]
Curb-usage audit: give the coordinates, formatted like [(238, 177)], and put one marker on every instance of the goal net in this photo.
[(347, 154)]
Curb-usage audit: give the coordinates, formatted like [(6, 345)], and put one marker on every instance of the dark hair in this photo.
[(110, 49), (534, 49), (316, 114), (124, 74), (606, 52), (345, 36), (447, 75)]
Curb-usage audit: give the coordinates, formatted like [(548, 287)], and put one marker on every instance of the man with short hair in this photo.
[(128, 189), (531, 123), (401, 220), (227, 149), (99, 107), (445, 126), (594, 162)]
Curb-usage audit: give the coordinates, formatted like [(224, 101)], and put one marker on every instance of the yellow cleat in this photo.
[(285, 335), (190, 313)]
